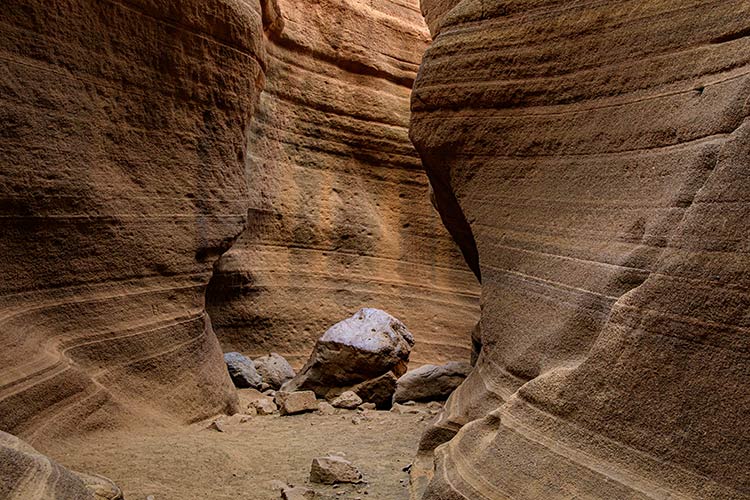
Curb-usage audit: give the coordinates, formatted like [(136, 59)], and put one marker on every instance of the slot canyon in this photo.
[(375, 249)]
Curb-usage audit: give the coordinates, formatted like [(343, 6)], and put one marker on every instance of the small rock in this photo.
[(270, 392), (251, 411), (265, 387), (150, 497), (296, 402), (242, 370), (333, 469), (217, 425), (274, 369), (297, 493), (263, 405), (367, 406), (378, 390), (348, 400), (404, 409), (325, 408)]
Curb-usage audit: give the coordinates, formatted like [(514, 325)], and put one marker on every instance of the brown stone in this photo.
[(334, 469), (378, 390), (290, 403), (123, 179)]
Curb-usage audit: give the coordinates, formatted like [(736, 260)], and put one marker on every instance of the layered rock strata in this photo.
[(122, 167), (29, 475), (592, 158), (341, 217)]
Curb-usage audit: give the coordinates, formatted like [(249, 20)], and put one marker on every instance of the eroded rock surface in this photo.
[(591, 160), (122, 166), (340, 218), (26, 474)]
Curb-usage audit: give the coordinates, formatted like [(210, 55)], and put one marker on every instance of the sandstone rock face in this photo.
[(340, 217), (348, 400), (122, 166), (431, 382), (362, 347), (591, 159), (29, 475)]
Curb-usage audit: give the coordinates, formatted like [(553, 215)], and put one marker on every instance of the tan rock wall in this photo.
[(340, 216), (594, 155), (122, 174)]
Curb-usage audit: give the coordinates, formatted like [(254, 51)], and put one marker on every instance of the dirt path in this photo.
[(242, 462)]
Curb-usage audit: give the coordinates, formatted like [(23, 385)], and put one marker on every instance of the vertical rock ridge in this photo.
[(123, 140), (597, 151)]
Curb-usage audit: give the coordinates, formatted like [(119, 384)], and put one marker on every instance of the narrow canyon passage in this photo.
[(183, 179), (387, 249)]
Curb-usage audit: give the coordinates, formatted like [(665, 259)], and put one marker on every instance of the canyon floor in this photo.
[(247, 460)]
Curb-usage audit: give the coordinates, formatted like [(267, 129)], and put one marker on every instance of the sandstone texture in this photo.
[(362, 347), (122, 180), (29, 475), (339, 212), (591, 159), (431, 382)]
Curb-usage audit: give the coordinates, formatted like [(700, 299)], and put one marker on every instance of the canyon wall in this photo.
[(122, 166), (592, 159), (340, 216)]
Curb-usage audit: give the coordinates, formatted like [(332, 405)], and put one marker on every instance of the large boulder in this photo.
[(274, 369), (367, 345), (242, 371), (26, 474), (431, 382)]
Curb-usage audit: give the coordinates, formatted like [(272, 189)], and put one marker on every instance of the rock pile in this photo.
[(363, 354)]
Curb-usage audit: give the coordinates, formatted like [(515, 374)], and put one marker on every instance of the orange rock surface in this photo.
[(339, 214), (592, 160)]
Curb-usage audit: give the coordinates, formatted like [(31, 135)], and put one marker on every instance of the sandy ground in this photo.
[(243, 462)]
